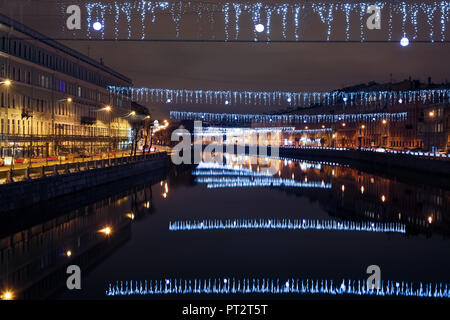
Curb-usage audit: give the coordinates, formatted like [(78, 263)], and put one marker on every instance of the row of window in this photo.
[(26, 127), (31, 52), (20, 73)]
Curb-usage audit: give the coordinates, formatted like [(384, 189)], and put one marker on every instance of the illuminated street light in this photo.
[(130, 216), (384, 121), (68, 253), (69, 100), (108, 108), (430, 219), (106, 230), (132, 113), (343, 124), (431, 114), (7, 295), (363, 127), (7, 82)]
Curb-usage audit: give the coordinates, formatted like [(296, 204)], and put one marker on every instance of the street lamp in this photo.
[(7, 82)]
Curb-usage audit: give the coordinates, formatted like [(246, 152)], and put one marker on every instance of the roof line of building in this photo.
[(39, 36)]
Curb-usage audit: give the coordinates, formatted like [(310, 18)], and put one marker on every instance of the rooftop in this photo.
[(5, 20)]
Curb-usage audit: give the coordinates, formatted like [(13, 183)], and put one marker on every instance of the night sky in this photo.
[(245, 66)]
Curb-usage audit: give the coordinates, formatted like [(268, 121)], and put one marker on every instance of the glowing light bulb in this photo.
[(97, 26), (404, 42), (169, 100), (227, 102), (259, 28), (68, 253), (107, 231), (8, 295)]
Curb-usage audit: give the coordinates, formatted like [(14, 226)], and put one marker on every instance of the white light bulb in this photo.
[(169, 100), (97, 26), (226, 102), (289, 100), (259, 28), (404, 42)]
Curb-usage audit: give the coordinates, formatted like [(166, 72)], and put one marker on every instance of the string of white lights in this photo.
[(286, 119), (230, 286), (278, 98), (286, 224), (113, 16)]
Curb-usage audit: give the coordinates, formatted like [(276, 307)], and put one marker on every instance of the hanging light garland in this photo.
[(136, 19), (277, 98), (288, 119)]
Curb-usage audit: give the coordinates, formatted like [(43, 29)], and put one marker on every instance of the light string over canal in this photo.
[(278, 98), (287, 224), (264, 20), (287, 119), (296, 286)]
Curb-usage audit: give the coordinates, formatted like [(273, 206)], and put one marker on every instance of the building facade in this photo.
[(54, 100)]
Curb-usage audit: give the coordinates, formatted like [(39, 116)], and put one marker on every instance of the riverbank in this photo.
[(66, 180)]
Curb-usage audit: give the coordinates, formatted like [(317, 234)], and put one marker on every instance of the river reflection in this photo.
[(241, 226)]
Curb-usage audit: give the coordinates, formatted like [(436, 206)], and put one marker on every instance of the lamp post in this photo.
[(7, 83)]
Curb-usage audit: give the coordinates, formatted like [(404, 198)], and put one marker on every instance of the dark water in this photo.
[(414, 249)]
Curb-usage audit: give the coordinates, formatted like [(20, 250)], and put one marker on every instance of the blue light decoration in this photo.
[(243, 182), (287, 119), (277, 98), (287, 224), (296, 286), (293, 18)]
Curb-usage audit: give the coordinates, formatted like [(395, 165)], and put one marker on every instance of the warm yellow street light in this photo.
[(7, 295), (108, 108), (106, 230), (431, 114), (7, 82), (363, 127), (68, 253), (69, 100), (384, 121)]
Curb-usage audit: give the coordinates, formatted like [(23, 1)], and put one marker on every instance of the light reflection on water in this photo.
[(409, 227)]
